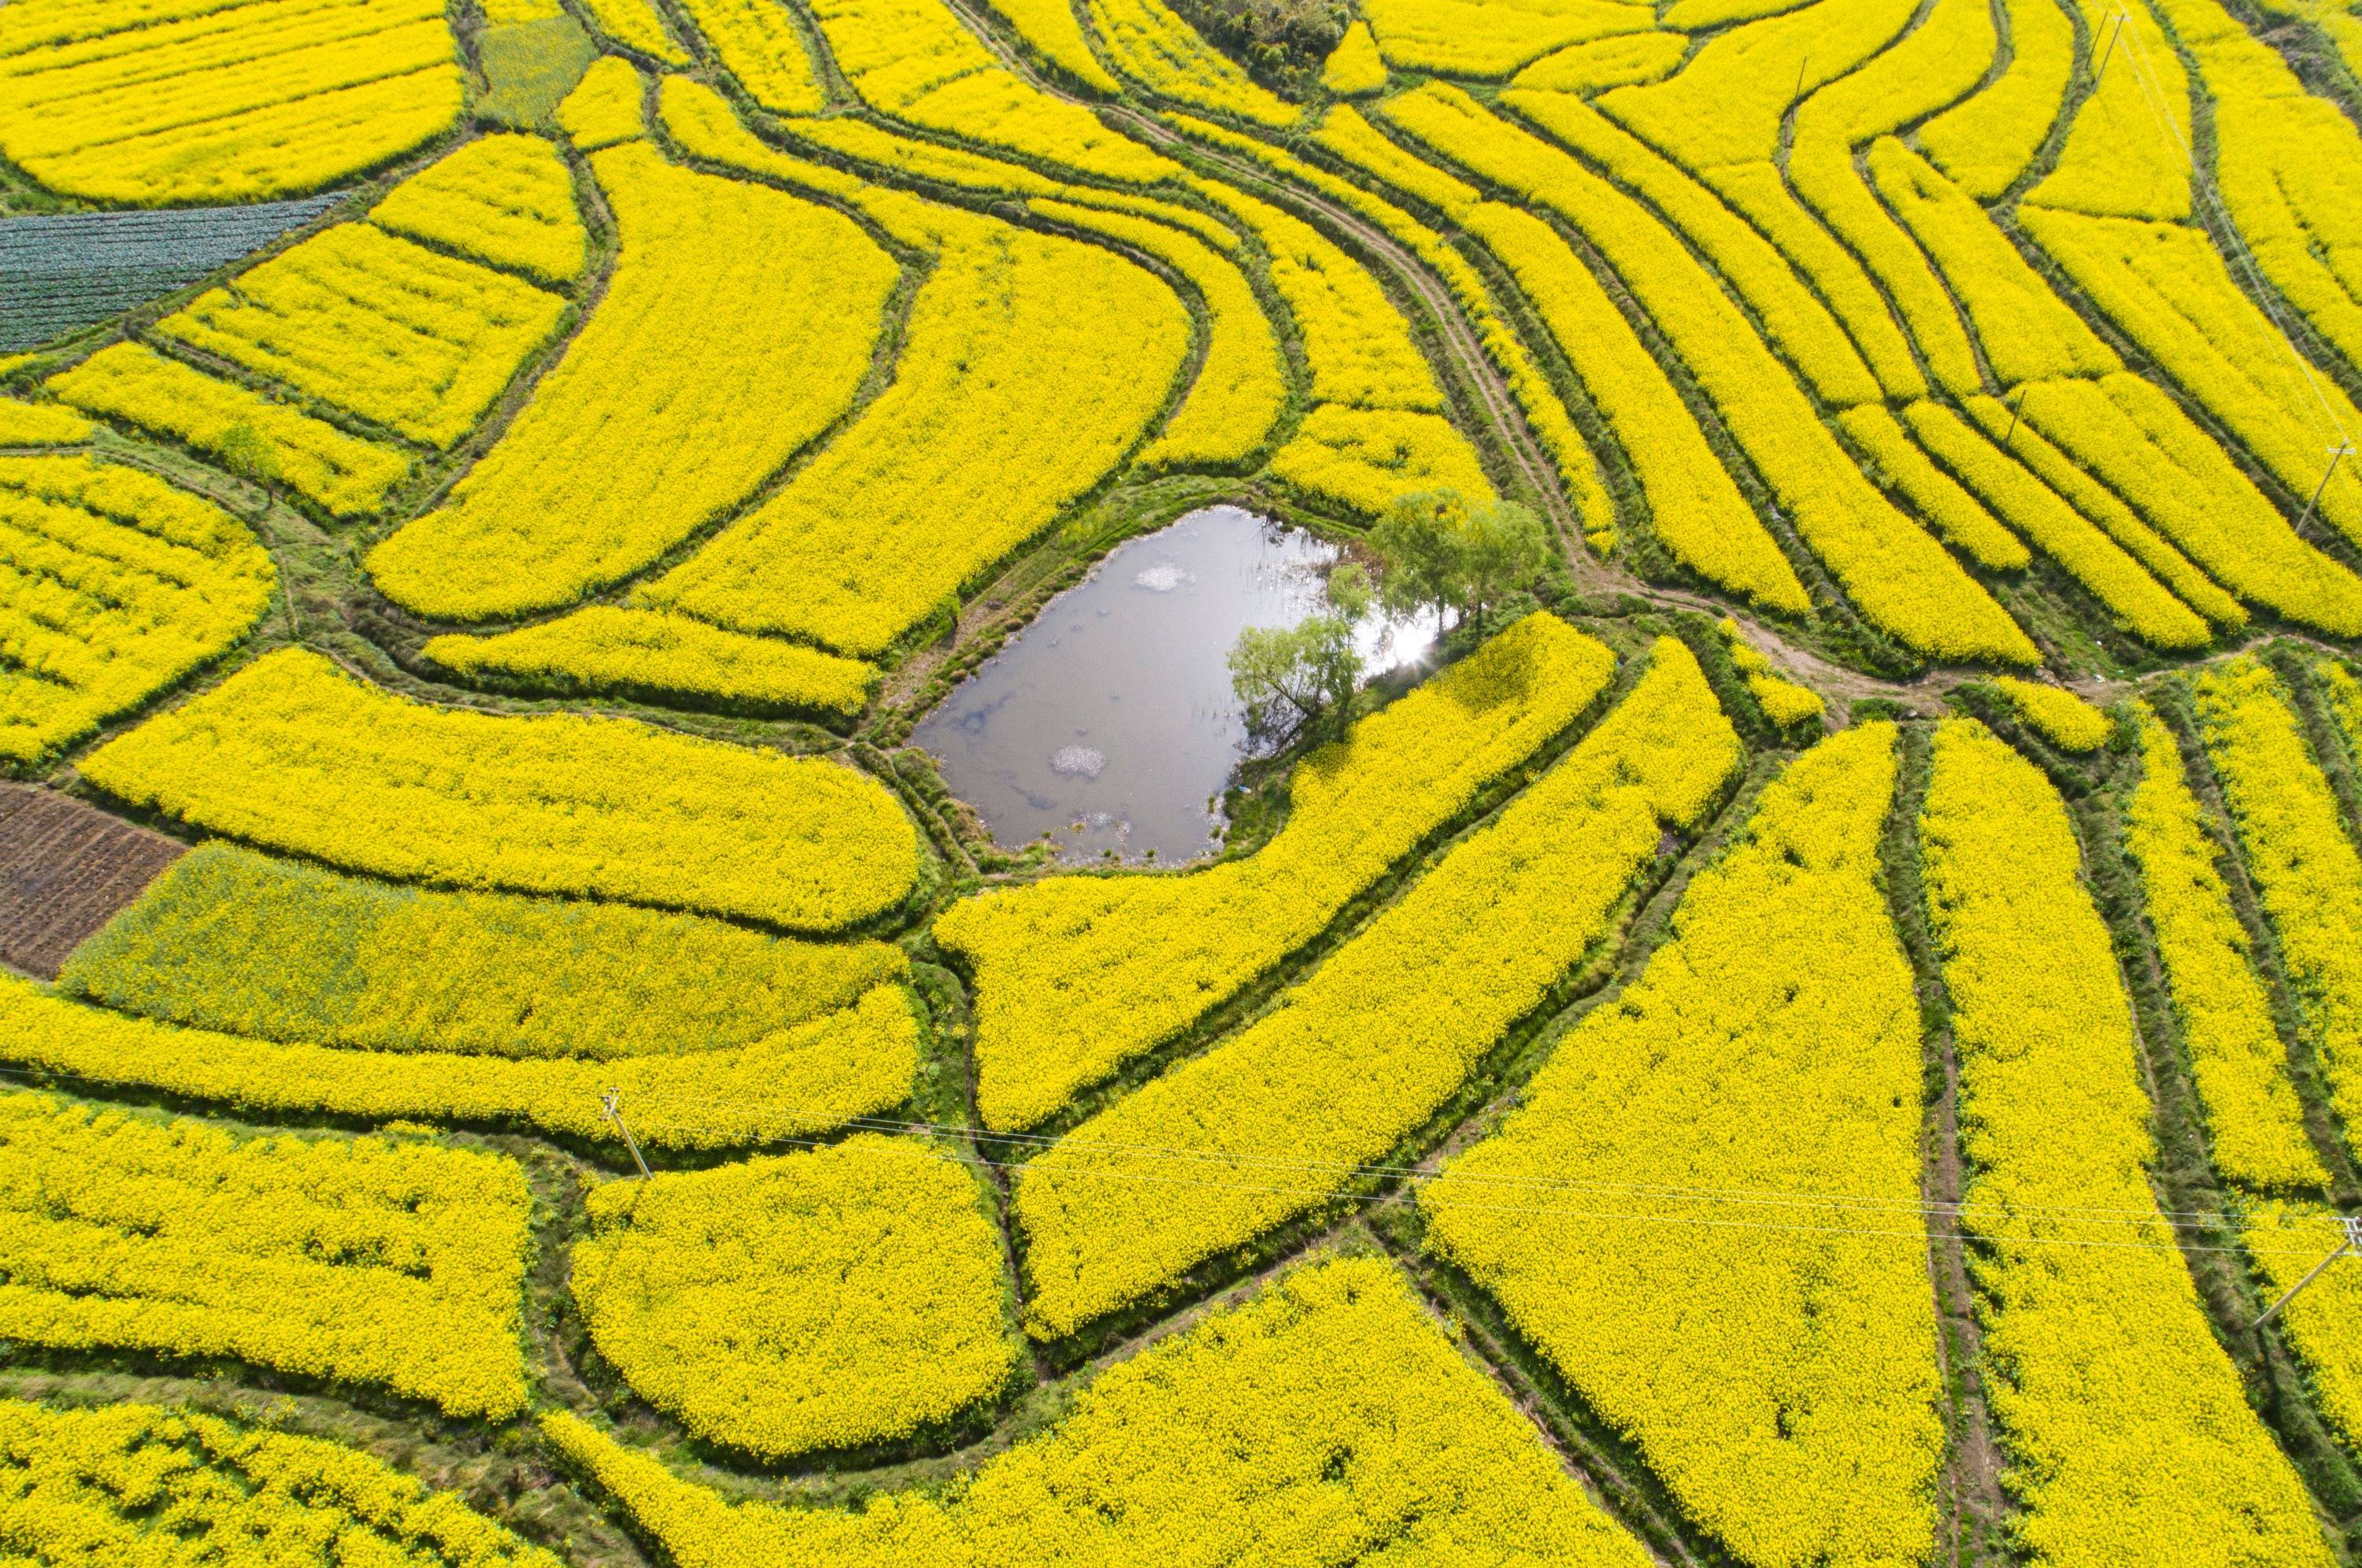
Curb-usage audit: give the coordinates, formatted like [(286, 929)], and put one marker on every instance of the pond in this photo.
[(1113, 709), (63, 271)]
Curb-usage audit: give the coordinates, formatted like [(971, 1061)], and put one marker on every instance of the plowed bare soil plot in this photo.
[(65, 868)]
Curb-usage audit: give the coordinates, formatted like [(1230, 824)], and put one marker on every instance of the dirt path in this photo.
[(1978, 1506), (1460, 339), (1593, 576), (905, 680), (1923, 695), (1610, 1484)]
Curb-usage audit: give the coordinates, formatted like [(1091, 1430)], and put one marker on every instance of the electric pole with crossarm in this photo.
[(2352, 1243), (610, 1105)]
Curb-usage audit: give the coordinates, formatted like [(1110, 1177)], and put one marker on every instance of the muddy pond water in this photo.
[(1113, 708)]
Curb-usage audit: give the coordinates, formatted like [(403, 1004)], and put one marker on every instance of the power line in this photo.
[(1769, 1196), (1886, 1215), (1959, 1212), (1340, 1175), (2352, 1243), (1897, 1210), (2202, 187), (1326, 1194)]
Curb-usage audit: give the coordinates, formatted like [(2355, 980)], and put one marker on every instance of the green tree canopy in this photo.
[(1287, 677), (1441, 551)]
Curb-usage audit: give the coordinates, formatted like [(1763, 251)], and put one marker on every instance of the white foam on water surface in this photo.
[(1078, 762)]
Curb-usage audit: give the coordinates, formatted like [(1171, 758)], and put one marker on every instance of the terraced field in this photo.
[(1809, 1034)]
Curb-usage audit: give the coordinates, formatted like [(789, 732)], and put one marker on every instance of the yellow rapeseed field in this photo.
[(1055, 33), (1784, 702), (400, 1266), (808, 1077), (2307, 873), (1576, 467), (1075, 976), (1459, 37), (2129, 1434), (2281, 167), (1794, 321), (2028, 331), (1242, 389), (112, 585), (376, 325), (2129, 165), (609, 648), (1324, 1420), (140, 1485), (2174, 295), (2057, 714), (1007, 405), (2091, 535), (294, 754), (1376, 429), (1930, 67), (243, 944), (606, 109), (914, 61), (2144, 607), (760, 45), (346, 474), (171, 101), (1269, 1124), (2253, 1118), (520, 1048), (2325, 1323), (2132, 437), (40, 424), (508, 199), (1151, 44), (1361, 351), (1900, 578), (1771, 1044), (1355, 67), (830, 1298), (630, 445), (1985, 141), (1695, 509), (638, 26)]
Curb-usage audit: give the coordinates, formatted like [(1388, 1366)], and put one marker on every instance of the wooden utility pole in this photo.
[(2113, 36), (2013, 412), (2336, 454), (2352, 1243), (611, 1105)]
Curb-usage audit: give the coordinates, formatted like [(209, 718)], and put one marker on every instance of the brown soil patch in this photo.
[(65, 868)]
